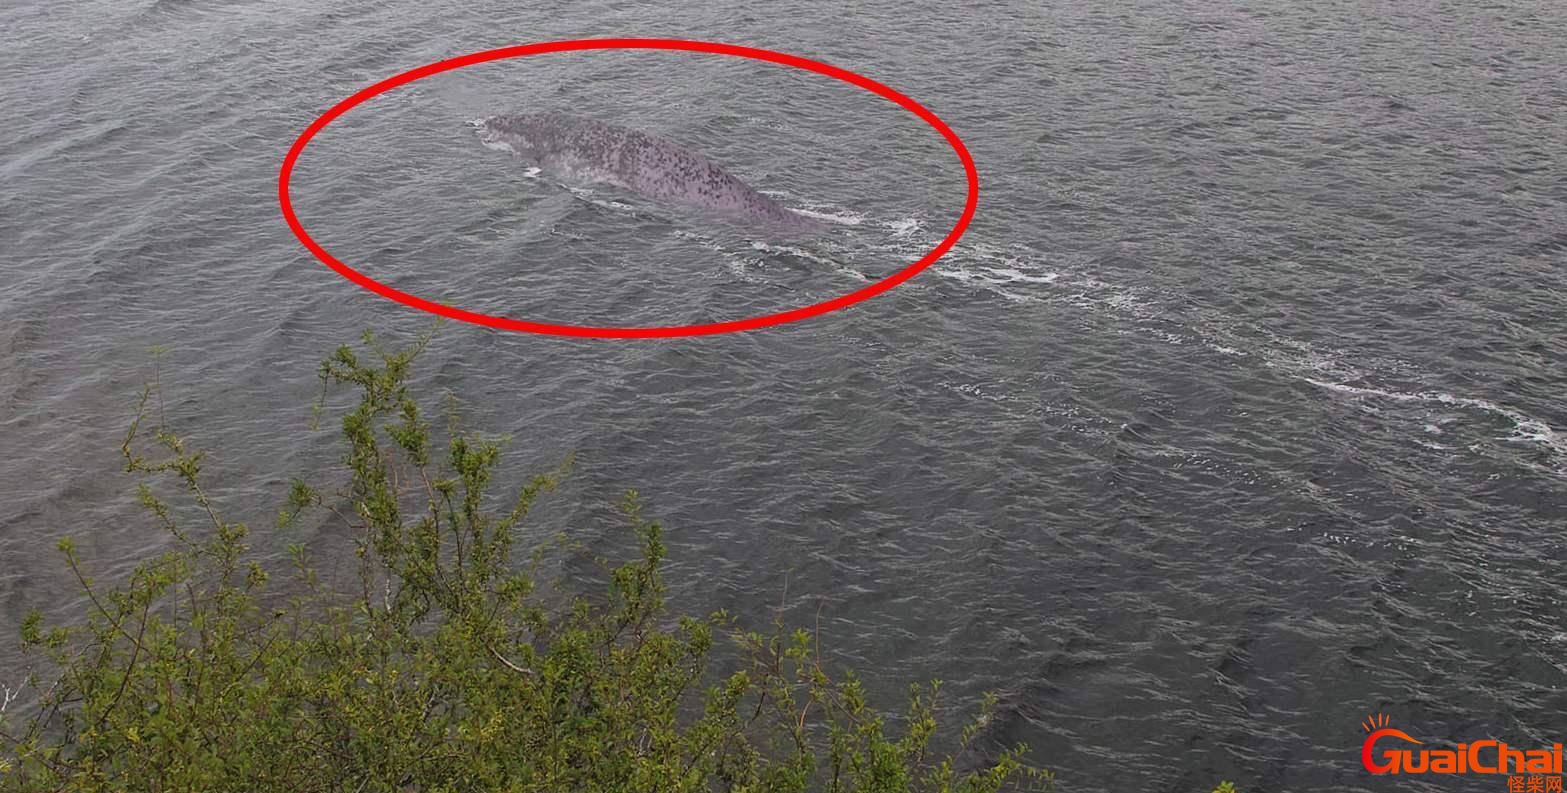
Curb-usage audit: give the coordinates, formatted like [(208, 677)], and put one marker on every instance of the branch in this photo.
[(509, 665)]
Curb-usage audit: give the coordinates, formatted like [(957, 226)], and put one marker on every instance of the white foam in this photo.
[(957, 274), (844, 218), (584, 194), (991, 268), (1014, 275), (1526, 428), (809, 256), (823, 212), (977, 390), (791, 250)]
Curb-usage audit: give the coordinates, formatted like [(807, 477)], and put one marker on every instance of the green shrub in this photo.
[(445, 667)]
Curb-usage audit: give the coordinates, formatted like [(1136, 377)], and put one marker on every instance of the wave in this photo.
[(1020, 274)]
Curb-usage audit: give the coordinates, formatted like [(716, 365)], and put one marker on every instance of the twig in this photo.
[(503, 659)]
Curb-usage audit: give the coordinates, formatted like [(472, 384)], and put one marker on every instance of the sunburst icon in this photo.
[(1374, 722)]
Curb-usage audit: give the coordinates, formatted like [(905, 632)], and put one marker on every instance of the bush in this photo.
[(444, 669)]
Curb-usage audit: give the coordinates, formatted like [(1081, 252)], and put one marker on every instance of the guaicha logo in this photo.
[(1480, 757)]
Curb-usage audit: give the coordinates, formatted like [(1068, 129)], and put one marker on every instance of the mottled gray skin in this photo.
[(582, 148)]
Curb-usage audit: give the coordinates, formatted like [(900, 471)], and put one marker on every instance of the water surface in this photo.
[(1235, 417)]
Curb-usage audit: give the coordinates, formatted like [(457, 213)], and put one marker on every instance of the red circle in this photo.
[(540, 48)]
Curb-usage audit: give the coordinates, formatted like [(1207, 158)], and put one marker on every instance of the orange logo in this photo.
[(1377, 722), (1480, 757)]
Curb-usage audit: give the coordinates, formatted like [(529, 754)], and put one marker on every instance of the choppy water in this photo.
[(1237, 415)]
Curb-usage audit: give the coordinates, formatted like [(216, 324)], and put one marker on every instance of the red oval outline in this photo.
[(730, 326)]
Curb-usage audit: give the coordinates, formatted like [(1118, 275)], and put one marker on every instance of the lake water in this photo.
[(1236, 417)]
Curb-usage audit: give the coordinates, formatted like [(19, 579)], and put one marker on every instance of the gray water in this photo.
[(1236, 416)]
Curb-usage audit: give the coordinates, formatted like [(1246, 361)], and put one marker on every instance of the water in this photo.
[(1235, 418)]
